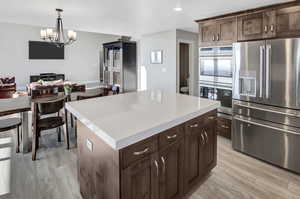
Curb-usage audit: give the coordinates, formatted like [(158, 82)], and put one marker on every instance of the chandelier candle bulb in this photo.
[(43, 34), (49, 32), (72, 35)]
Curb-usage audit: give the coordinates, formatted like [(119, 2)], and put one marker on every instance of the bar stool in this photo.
[(9, 124)]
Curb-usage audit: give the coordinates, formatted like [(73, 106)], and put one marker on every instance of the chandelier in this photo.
[(57, 36)]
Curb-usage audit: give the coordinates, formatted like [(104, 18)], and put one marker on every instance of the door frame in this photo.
[(192, 67)]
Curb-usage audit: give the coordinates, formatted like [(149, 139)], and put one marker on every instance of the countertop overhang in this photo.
[(122, 120)]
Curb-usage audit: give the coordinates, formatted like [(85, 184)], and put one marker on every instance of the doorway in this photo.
[(184, 68)]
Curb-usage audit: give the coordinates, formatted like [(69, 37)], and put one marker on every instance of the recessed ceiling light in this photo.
[(177, 9)]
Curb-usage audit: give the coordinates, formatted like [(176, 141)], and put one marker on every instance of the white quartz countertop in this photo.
[(122, 120)]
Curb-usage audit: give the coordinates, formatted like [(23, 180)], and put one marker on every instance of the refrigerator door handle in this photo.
[(266, 126), (261, 65), (268, 63)]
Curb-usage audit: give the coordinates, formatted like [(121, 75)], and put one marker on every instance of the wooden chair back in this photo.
[(49, 107), (44, 92)]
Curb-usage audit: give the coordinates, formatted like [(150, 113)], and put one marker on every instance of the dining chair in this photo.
[(46, 115), (10, 124)]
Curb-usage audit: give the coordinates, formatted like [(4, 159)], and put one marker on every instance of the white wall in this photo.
[(165, 76), (159, 76), (81, 61), (191, 39)]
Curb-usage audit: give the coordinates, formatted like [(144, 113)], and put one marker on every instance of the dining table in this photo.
[(21, 105)]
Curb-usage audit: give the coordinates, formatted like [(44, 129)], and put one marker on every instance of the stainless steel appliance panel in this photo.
[(268, 113), (282, 73), (274, 143), (249, 71)]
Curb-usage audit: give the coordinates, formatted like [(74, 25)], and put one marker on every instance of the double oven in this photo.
[(215, 77)]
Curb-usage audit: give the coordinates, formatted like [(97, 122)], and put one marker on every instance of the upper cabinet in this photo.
[(277, 21), (287, 22), (219, 32), (273, 23), (256, 26)]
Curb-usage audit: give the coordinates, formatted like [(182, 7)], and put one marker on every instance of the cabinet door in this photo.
[(210, 147), (208, 33), (288, 22), (140, 180), (227, 31), (269, 24), (224, 127), (194, 143), (250, 27), (172, 164)]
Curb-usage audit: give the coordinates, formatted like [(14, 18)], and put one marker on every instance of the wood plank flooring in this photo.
[(54, 174)]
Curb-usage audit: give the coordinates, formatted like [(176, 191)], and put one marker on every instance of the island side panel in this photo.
[(98, 166)]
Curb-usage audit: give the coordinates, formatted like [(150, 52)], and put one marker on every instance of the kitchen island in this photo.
[(144, 145)]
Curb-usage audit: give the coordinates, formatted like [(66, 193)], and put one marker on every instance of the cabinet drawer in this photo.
[(208, 117), (202, 120), (170, 136), (138, 151)]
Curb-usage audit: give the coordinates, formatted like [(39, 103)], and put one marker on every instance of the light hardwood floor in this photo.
[(53, 175)]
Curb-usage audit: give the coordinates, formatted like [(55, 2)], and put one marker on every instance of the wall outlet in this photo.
[(89, 145)]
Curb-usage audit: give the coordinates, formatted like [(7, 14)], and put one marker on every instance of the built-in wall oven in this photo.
[(215, 76)]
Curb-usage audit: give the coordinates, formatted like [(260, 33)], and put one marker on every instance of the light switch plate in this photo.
[(164, 70), (89, 145)]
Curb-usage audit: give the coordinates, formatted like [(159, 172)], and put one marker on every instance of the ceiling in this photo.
[(122, 17)]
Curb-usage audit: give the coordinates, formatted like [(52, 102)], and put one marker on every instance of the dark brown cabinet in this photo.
[(287, 22), (163, 166), (251, 27), (172, 167), (256, 26), (194, 153), (208, 33), (140, 180), (227, 31), (224, 127), (273, 23), (268, 22), (210, 146), (219, 32), (200, 150)]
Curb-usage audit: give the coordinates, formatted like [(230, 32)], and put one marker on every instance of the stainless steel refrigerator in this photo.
[(266, 101)]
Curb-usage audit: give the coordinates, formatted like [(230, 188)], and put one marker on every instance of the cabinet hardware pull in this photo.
[(194, 125), (213, 38), (218, 37), (224, 126), (157, 169), (211, 117), (164, 163), (202, 138), (206, 136), (141, 152), (171, 137), (272, 28), (266, 29)]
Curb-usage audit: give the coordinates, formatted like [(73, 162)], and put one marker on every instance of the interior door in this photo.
[(249, 59), (282, 73)]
